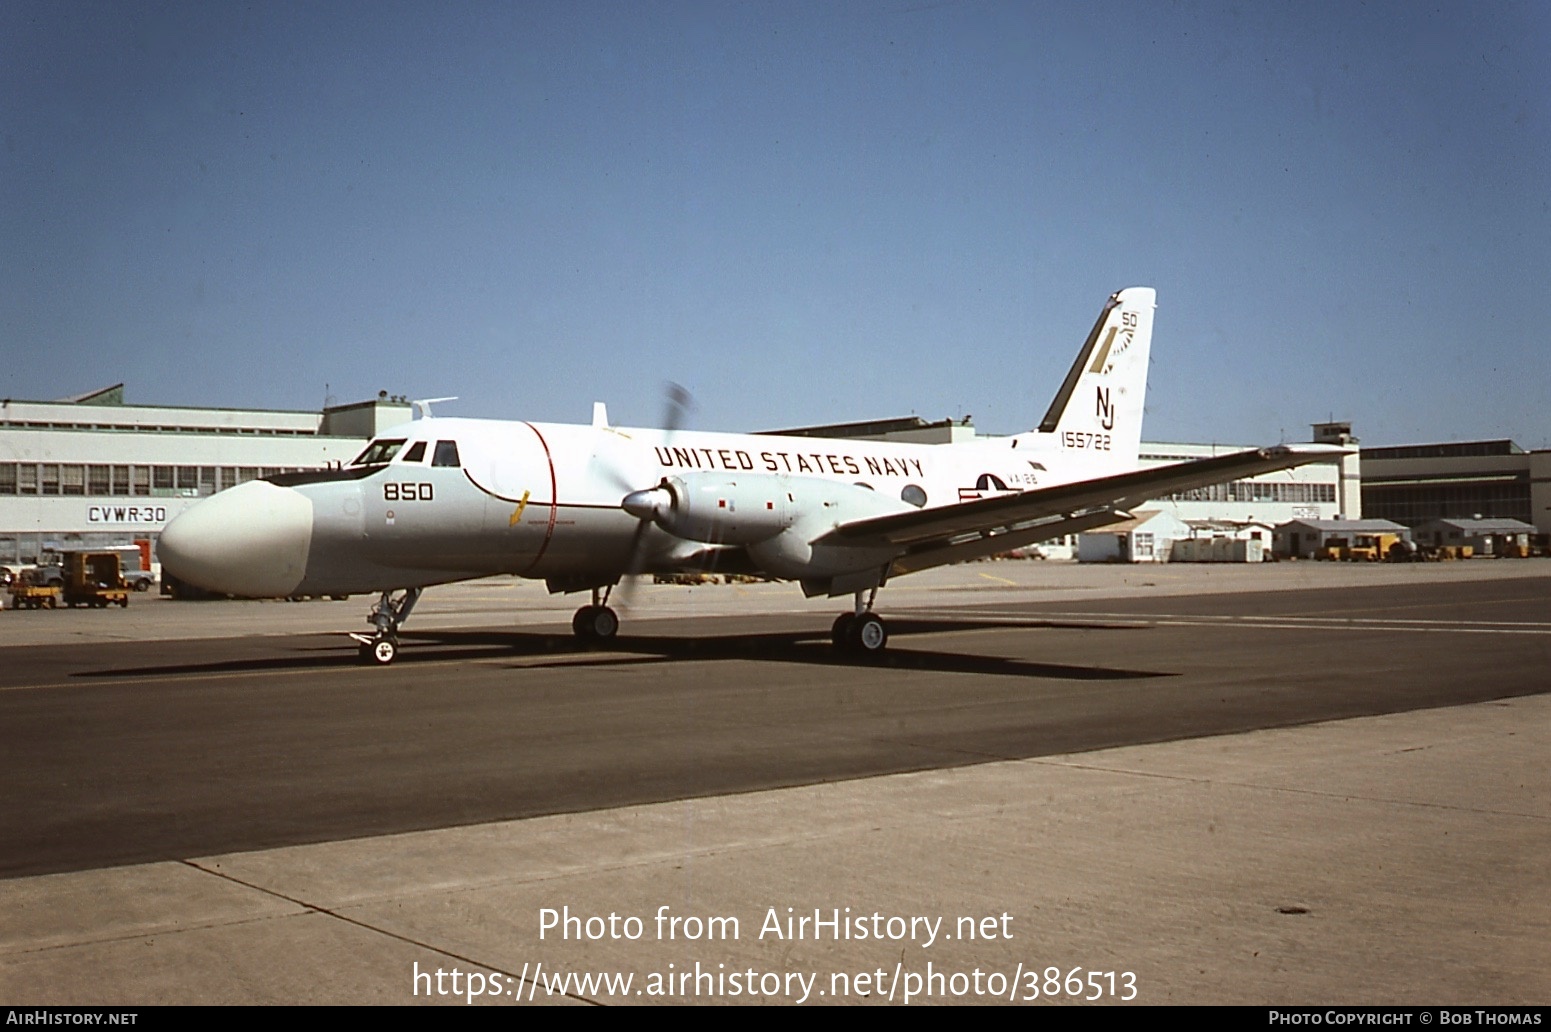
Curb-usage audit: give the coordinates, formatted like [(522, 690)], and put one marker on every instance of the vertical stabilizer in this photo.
[(1099, 406)]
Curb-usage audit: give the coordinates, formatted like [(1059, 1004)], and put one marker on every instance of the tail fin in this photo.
[(1099, 406)]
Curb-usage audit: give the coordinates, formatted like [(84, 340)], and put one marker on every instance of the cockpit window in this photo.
[(446, 454), (378, 452), (416, 452)]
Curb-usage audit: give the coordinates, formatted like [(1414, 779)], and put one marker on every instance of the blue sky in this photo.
[(802, 212)]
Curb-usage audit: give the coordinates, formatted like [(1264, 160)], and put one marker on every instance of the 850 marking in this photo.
[(407, 492)]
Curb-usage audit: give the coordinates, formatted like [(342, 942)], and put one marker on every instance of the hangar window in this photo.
[(446, 454), (416, 452), (72, 479), (27, 478), (7, 478), (914, 495), (97, 481), (142, 478), (378, 452)]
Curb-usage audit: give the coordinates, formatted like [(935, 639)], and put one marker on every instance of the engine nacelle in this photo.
[(823, 505), (716, 508), (777, 518)]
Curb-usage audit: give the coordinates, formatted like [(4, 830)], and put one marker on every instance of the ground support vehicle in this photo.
[(31, 591), (95, 579)]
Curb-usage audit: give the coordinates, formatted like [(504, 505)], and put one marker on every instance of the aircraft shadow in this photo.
[(806, 647)]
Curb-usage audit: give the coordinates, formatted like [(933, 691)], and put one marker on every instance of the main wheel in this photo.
[(869, 634), (840, 633), (605, 623), (595, 623)]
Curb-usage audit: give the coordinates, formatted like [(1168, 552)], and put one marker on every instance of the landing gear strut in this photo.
[(596, 622), (382, 647), (861, 630)]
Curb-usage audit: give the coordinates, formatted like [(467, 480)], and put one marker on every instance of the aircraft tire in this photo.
[(605, 623), (380, 651), (595, 623), (840, 632), (869, 634)]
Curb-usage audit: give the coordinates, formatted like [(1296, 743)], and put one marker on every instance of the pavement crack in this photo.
[(514, 980)]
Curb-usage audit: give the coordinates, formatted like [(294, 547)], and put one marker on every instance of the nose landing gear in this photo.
[(382, 646)]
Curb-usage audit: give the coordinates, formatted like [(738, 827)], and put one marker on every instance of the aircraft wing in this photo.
[(954, 533)]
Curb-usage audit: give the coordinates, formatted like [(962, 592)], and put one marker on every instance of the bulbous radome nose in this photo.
[(251, 539)]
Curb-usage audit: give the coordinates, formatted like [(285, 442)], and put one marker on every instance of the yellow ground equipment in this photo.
[(31, 590), (95, 579)]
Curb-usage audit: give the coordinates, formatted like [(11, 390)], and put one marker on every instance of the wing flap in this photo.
[(1084, 500)]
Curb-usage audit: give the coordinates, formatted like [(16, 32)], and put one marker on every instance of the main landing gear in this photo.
[(597, 622), (861, 631), (382, 647)]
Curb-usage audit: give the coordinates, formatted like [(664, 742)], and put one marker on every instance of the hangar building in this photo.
[(1415, 483)]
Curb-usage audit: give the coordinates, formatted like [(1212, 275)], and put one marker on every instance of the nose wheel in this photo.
[(382, 647), (380, 651)]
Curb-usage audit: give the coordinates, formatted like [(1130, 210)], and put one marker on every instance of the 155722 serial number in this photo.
[(1085, 441)]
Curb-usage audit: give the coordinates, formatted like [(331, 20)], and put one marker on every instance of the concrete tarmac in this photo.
[(1303, 783)]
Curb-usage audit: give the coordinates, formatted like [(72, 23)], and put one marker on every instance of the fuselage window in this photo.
[(914, 495), (416, 452), (378, 452), (446, 454)]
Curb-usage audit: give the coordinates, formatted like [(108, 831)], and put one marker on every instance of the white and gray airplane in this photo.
[(582, 507)]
